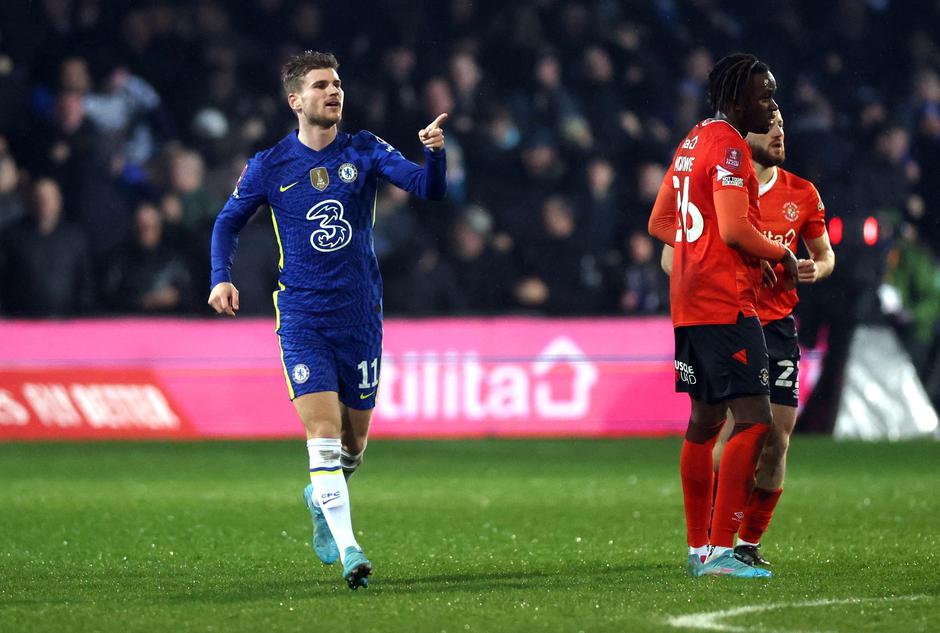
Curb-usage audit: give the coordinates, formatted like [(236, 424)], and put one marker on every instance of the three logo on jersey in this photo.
[(333, 231)]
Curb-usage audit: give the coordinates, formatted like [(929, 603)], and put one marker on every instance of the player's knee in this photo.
[(354, 445), (702, 429), (755, 411)]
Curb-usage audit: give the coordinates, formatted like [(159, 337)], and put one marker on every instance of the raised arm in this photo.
[(428, 182)]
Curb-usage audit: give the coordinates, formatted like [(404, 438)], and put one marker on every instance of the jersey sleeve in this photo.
[(662, 222), (248, 195), (815, 224), (428, 182), (726, 166)]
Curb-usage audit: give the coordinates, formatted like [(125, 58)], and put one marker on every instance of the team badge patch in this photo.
[(319, 178), (791, 211), (348, 172), (733, 158), (300, 373)]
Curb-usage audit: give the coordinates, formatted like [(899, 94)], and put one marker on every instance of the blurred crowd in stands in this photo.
[(123, 127)]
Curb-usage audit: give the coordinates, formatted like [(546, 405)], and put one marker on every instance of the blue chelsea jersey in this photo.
[(323, 205)]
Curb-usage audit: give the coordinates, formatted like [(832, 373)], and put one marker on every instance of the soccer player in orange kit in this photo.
[(707, 208)]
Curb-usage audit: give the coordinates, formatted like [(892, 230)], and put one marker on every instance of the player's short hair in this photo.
[(728, 80), (296, 68)]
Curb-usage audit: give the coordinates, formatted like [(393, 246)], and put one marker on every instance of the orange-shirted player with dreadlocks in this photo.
[(707, 208), (790, 208)]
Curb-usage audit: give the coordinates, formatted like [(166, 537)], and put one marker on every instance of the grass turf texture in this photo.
[(481, 536)]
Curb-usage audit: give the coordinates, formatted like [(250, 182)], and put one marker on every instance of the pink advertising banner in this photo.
[(439, 378)]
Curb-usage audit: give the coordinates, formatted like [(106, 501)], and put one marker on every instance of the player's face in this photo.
[(768, 149), (759, 108), (321, 98)]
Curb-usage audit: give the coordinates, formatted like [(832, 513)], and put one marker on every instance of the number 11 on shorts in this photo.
[(364, 370)]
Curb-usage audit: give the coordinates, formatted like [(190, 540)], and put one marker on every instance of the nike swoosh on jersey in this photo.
[(283, 188), (366, 395)]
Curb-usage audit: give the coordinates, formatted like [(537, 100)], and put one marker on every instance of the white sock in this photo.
[(740, 542), (701, 552), (330, 491), (350, 462), (718, 551)]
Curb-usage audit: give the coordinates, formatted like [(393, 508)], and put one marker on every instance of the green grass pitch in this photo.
[(479, 536)]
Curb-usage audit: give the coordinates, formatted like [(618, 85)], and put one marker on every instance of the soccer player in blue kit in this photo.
[(321, 186)]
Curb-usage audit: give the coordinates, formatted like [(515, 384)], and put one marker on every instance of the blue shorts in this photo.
[(346, 360)]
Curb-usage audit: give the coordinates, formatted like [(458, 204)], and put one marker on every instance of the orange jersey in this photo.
[(710, 282), (790, 207)]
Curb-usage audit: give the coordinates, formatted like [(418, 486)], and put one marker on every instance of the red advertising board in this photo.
[(87, 403)]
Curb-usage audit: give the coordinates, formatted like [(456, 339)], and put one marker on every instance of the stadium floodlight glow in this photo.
[(835, 230), (870, 231)]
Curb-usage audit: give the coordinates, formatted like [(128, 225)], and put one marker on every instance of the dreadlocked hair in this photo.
[(727, 81)]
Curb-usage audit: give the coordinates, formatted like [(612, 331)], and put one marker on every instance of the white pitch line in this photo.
[(712, 620)]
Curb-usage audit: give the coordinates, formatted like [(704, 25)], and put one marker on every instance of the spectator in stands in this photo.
[(555, 277), (692, 88), (548, 106), (648, 178), (187, 182), (399, 99), (66, 147), (395, 233), (467, 78), (428, 289), (146, 274), (885, 177), (44, 265), (122, 110), (603, 108), (484, 271), (643, 289), (12, 208), (599, 209), (541, 170), (439, 97), (925, 117)]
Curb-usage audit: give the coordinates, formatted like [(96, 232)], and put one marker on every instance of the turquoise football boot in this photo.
[(323, 543), (727, 565), (695, 565), (356, 568)]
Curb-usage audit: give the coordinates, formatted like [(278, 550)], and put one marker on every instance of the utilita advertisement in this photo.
[(437, 378)]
